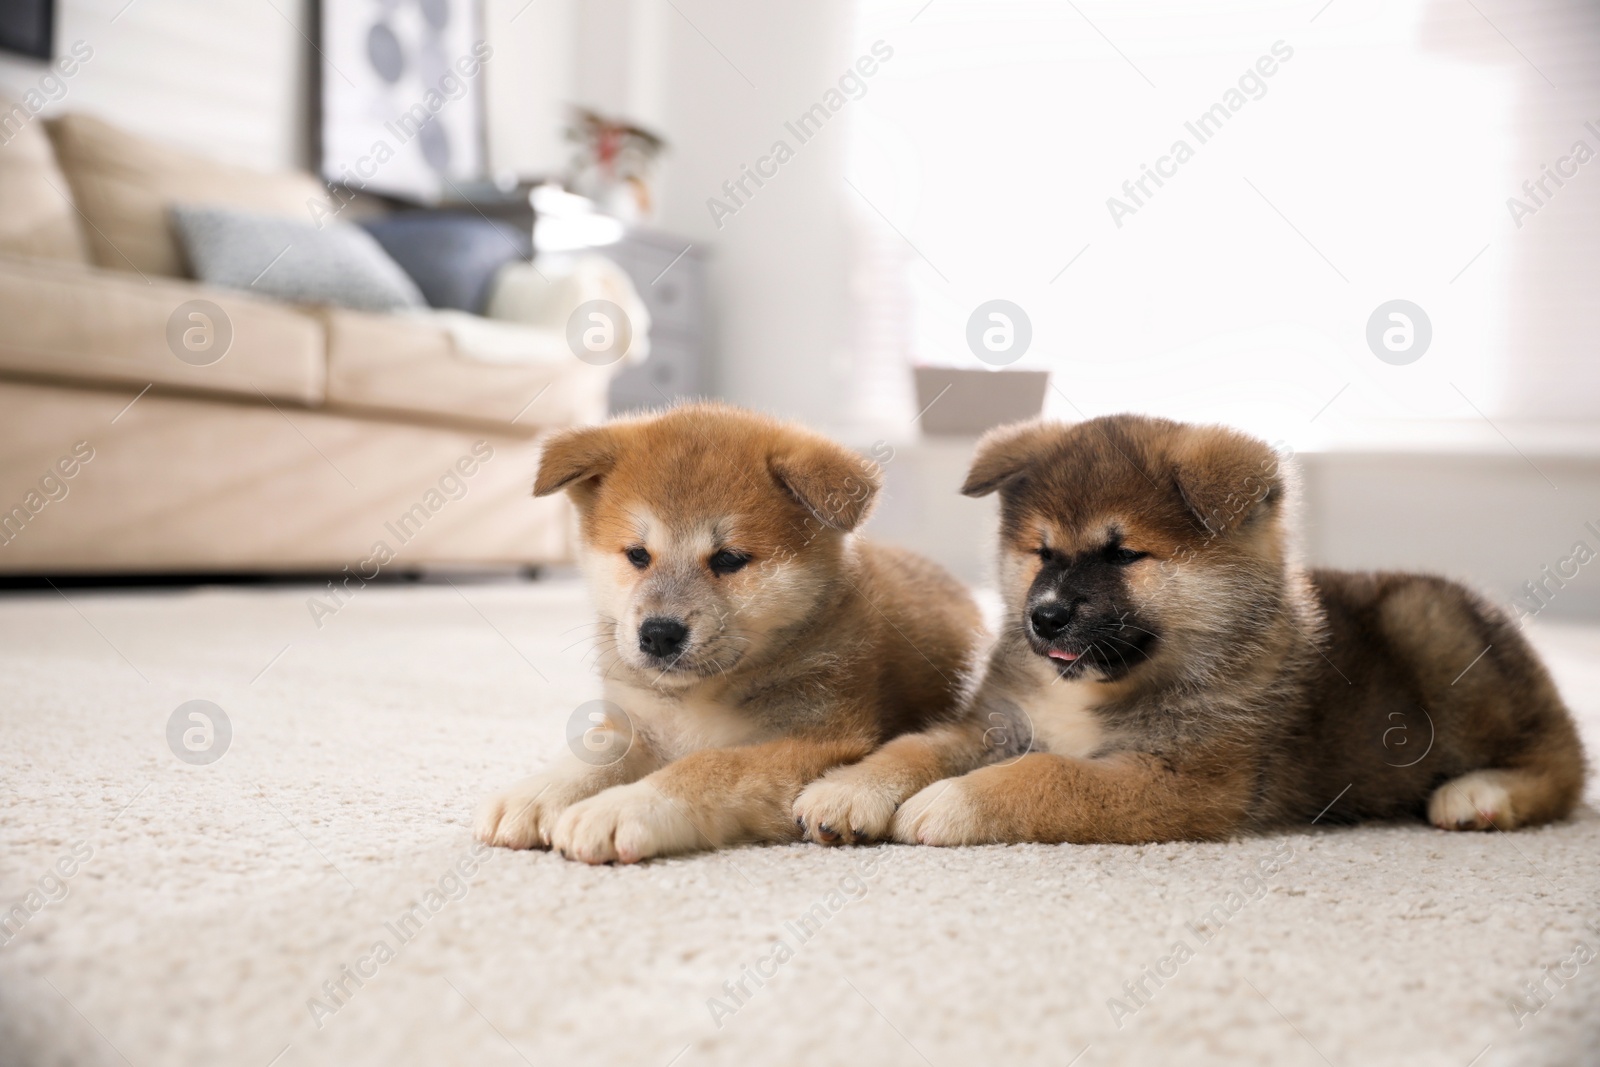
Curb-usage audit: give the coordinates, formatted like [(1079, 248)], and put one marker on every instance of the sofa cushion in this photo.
[(39, 219), (453, 257), (125, 185), (409, 364), (70, 322), (293, 260)]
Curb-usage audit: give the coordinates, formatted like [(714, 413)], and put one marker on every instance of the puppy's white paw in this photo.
[(1475, 801), (942, 814), (625, 824), (524, 815), (845, 810)]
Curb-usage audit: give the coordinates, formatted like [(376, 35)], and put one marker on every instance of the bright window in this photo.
[(1354, 155)]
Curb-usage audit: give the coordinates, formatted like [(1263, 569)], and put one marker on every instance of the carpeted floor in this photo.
[(205, 906)]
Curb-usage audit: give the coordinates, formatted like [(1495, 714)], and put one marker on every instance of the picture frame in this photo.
[(27, 27), (400, 88)]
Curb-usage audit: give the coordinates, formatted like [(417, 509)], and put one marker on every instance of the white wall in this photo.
[(779, 267), (528, 83), (226, 78)]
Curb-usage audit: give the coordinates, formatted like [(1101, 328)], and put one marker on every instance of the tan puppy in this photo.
[(1166, 672), (749, 640)]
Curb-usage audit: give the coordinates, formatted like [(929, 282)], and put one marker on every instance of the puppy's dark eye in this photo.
[(639, 557), (1124, 556), (727, 561), (1045, 554)]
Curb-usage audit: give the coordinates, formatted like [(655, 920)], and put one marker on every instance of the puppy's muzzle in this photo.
[(1053, 618), (1050, 619), (662, 638), (1052, 622)]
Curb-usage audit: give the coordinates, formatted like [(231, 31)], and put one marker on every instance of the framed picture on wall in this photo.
[(27, 26), (402, 99)]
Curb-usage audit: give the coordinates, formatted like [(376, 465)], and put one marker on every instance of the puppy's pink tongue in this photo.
[(1068, 656)]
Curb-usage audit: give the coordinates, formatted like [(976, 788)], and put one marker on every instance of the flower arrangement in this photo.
[(612, 163)]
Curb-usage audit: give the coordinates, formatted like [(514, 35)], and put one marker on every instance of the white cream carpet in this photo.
[(216, 900)]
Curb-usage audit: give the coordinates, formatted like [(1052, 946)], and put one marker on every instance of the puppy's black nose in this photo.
[(1050, 619), (662, 637)]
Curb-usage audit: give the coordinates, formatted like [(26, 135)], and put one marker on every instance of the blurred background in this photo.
[(280, 265)]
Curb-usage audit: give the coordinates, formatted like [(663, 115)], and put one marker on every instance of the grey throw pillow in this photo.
[(339, 264)]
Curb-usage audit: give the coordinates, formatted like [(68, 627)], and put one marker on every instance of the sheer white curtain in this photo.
[(1356, 152)]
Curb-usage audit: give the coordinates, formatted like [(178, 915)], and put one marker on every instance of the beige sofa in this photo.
[(323, 438)]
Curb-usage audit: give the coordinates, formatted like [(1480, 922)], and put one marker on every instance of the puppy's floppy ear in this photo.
[(574, 457), (1227, 479), (1002, 454), (835, 484)]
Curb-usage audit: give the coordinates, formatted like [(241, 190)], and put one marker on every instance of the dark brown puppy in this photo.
[(1165, 671)]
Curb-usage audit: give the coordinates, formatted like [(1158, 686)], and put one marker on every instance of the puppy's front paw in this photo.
[(524, 815), (942, 814), (844, 810), (625, 824), (1474, 801)]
